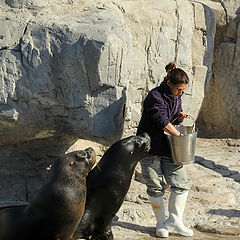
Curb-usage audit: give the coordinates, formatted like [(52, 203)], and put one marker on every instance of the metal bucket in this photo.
[(183, 147)]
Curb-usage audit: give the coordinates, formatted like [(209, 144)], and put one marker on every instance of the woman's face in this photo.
[(177, 90)]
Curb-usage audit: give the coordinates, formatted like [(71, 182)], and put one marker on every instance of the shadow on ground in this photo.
[(226, 212), (131, 226), (221, 169)]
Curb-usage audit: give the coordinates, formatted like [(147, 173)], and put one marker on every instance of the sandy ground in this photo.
[(212, 209)]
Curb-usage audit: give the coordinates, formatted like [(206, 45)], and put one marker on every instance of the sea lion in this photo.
[(107, 185), (55, 212)]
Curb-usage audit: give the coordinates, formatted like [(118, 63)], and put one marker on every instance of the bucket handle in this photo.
[(194, 124), (188, 115)]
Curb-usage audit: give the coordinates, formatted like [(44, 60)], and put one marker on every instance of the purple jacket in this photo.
[(159, 109)]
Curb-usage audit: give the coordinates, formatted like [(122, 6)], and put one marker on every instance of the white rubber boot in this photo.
[(176, 207), (159, 212)]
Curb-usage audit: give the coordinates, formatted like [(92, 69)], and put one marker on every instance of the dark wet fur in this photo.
[(107, 186), (56, 211)]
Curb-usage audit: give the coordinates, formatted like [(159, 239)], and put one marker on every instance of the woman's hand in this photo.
[(181, 116), (169, 128)]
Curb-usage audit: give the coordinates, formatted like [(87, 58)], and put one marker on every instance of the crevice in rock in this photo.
[(148, 54), (4, 48), (225, 10), (120, 67), (85, 65), (101, 89), (119, 7), (21, 40), (235, 47), (178, 33)]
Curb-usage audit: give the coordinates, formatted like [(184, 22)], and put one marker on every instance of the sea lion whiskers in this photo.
[(99, 168)]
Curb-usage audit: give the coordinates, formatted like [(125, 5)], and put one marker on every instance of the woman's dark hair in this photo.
[(175, 75)]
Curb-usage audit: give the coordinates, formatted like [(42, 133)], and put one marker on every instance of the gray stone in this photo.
[(85, 68), (64, 75), (220, 113)]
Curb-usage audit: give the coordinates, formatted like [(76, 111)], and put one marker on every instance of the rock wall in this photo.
[(165, 35), (83, 68), (63, 72), (221, 109)]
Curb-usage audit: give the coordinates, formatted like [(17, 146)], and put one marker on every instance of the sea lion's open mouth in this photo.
[(143, 141), (91, 156), (147, 141), (88, 155)]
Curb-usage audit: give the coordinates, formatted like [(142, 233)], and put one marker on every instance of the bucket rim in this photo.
[(195, 131)]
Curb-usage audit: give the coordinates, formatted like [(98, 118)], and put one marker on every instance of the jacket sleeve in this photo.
[(157, 110)]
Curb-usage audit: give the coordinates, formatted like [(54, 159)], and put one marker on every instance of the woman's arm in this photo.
[(170, 129), (157, 111)]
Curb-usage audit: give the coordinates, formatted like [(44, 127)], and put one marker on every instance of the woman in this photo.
[(161, 109)]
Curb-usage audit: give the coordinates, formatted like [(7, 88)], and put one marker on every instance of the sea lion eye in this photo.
[(49, 167), (71, 163)]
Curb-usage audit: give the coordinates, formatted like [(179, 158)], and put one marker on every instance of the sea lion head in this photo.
[(137, 146), (77, 163)]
